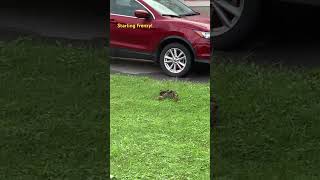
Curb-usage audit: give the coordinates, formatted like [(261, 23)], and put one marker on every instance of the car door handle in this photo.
[(113, 21)]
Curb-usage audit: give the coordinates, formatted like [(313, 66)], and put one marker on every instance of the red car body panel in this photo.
[(148, 41)]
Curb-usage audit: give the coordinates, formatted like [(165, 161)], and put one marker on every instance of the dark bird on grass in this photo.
[(168, 94)]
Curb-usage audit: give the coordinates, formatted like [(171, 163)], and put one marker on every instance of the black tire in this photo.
[(245, 24), (189, 60)]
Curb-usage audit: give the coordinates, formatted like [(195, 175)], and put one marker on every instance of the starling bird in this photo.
[(168, 94)]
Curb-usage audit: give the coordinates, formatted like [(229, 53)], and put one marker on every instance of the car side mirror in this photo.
[(142, 14)]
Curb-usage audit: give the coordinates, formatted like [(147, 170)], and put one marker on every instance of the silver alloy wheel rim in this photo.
[(226, 14), (175, 60)]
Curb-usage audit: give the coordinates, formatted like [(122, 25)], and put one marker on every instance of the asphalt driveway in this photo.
[(200, 72), (288, 35), (53, 23)]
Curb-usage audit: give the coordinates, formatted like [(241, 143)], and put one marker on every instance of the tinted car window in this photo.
[(172, 7), (125, 7)]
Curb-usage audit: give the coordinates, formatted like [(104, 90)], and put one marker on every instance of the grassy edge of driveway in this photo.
[(269, 121)]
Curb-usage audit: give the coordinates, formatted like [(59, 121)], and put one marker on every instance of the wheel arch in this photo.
[(174, 39)]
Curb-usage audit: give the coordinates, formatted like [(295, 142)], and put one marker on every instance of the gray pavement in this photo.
[(53, 23), (200, 73)]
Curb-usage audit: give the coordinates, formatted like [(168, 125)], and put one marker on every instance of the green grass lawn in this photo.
[(269, 122), (152, 139), (52, 111)]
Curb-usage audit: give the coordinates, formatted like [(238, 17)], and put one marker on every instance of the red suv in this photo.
[(164, 31)]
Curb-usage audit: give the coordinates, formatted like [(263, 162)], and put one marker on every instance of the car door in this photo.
[(125, 35)]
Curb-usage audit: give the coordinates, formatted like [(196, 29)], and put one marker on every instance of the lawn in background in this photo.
[(269, 122), (152, 139), (52, 111)]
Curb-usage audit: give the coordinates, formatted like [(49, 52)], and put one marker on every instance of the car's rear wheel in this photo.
[(233, 20), (175, 60)]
